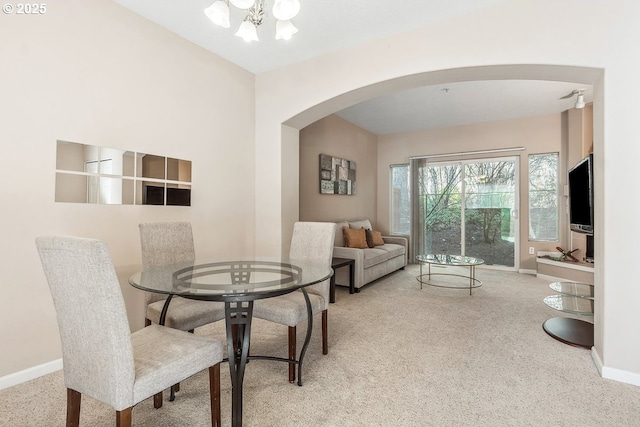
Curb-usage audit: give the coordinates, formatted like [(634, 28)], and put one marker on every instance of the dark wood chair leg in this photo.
[(214, 392), (292, 353), (123, 418), (325, 333), (73, 408), (157, 400)]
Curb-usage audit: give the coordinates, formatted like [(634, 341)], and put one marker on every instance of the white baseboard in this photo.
[(527, 271), (550, 278), (614, 374), (30, 374), (621, 376)]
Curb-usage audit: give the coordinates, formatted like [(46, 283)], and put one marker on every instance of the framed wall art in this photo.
[(337, 176)]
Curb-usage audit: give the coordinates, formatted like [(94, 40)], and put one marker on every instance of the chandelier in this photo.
[(283, 11)]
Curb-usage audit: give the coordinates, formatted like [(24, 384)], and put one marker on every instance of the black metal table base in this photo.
[(238, 316)]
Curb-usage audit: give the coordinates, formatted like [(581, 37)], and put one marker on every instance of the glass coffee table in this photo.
[(449, 260)]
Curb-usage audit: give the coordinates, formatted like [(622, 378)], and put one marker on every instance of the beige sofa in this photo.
[(370, 263)]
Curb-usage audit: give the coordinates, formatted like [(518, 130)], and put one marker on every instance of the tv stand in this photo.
[(553, 270), (575, 298)]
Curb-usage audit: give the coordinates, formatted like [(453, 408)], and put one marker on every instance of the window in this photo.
[(400, 206), (543, 197)]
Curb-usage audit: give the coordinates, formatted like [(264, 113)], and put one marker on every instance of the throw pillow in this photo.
[(376, 238), (369, 235), (354, 238)]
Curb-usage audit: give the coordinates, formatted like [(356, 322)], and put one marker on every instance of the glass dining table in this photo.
[(237, 283)]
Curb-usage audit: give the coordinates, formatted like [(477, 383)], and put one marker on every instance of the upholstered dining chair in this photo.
[(311, 241), (165, 243), (101, 357)]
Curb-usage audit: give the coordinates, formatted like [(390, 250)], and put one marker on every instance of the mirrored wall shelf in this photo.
[(101, 175)]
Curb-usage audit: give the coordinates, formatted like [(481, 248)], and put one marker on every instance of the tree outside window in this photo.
[(543, 197)]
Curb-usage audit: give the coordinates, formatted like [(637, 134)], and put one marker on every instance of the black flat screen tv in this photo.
[(581, 196)]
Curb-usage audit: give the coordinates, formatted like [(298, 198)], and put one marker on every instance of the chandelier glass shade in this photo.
[(283, 11)]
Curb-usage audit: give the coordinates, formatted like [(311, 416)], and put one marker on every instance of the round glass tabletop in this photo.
[(231, 280), (447, 259)]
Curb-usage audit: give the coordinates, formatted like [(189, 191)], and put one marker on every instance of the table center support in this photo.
[(238, 314)]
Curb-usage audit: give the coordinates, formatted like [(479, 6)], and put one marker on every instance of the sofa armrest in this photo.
[(348, 253), (397, 240)]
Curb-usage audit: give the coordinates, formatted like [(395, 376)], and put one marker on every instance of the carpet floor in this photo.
[(398, 356)]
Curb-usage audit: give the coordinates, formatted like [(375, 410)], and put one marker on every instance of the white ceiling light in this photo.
[(243, 4), (218, 12), (284, 30), (283, 11), (579, 98), (248, 32)]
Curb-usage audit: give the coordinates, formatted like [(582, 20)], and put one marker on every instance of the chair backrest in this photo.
[(97, 353), (313, 241), (165, 243)]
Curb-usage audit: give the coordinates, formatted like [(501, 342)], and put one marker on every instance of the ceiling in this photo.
[(331, 25)]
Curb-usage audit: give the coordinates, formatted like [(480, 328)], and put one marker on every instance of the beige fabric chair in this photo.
[(101, 357), (165, 243), (312, 241)]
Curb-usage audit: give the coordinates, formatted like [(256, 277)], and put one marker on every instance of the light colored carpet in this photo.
[(398, 356)]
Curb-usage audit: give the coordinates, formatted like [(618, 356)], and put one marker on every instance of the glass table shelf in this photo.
[(574, 298), (570, 304), (581, 290)]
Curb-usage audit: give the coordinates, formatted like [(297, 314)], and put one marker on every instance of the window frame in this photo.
[(392, 200)]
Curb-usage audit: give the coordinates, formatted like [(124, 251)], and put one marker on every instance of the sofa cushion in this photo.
[(363, 223), (354, 238), (373, 256), (339, 239), (392, 249)]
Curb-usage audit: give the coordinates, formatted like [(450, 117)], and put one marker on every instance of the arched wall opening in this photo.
[(291, 127), (584, 75)]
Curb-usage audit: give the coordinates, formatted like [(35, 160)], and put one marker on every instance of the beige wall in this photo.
[(543, 134), (93, 72), (584, 42), (337, 137)]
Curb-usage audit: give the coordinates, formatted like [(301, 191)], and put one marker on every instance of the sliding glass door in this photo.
[(467, 208)]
